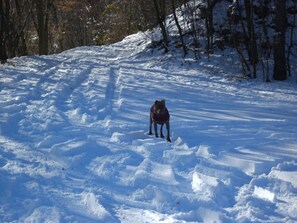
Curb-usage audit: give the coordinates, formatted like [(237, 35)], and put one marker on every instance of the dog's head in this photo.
[(160, 107)]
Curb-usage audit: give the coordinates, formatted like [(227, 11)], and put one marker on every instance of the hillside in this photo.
[(74, 145)]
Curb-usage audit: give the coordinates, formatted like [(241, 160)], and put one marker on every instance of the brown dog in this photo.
[(159, 115)]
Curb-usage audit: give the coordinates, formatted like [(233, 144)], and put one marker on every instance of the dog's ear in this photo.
[(156, 102), (163, 102)]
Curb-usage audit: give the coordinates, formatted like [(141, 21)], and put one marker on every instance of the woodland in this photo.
[(263, 32)]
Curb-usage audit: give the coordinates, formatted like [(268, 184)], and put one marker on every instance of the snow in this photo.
[(264, 194), (74, 145)]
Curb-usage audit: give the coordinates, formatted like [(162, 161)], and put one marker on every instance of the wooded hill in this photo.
[(263, 32)]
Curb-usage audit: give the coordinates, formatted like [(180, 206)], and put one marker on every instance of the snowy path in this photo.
[(74, 148)]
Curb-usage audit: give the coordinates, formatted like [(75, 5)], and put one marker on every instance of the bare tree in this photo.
[(292, 25), (279, 41), (265, 45), (193, 22), (3, 31), (252, 42), (206, 13), (41, 21), (239, 36), (160, 14), (180, 31)]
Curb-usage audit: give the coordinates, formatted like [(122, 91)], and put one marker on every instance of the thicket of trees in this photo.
[(261, 31), (50, 26)]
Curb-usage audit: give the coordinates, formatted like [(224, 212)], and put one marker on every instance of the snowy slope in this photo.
[(74, 144)]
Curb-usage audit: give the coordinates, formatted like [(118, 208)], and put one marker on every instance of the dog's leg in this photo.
[(168, 131), (151, 122), (156, 129), (161, 131)]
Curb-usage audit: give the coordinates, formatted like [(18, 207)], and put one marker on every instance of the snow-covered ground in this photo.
[(74, 144)]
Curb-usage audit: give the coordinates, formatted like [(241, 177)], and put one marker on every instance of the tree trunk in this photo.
[(178, 27), (209, 25), (3, 55), (237, 43), (265, 45), (280, 68), (20, 38), (252, 46), (291, 43), (160, 19), (42, 25)]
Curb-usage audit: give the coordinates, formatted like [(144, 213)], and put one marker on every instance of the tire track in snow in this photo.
[(67, 87), (30, 81), (112, 100), (50, 98), (110, 90)]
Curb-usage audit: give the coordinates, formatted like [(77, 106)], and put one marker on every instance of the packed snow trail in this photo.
[(74, 144)]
